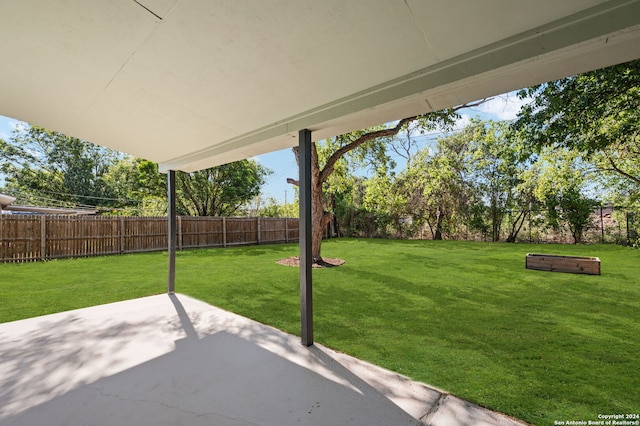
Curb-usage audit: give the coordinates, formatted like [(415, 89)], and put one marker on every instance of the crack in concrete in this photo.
[(426, 418)]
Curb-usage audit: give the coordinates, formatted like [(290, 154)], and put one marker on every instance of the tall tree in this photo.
[(368, 143), (572, 207), (221, 190), (524, 202), (497, 163), (48, 164), (53, 165), (437, 186), (217, 191), (562, 184), (139, 187)]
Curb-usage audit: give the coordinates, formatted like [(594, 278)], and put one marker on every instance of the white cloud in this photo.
[(503, 107), (16, 125), (9, 125), (464, 121)]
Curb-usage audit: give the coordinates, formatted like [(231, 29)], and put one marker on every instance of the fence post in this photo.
[(258, 226), (286, 230), (43, 237), (224, 232), (601, 226), (179, 232), (628, 234), (121, 234)]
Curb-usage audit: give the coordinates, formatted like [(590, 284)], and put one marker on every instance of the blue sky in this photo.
[(283, 164)]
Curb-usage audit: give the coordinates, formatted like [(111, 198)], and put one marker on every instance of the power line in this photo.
[(91, 197)]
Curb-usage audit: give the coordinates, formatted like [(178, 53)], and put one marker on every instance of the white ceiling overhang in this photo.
[(196, 83)]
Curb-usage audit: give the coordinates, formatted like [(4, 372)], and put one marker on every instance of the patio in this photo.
[(171, 359)]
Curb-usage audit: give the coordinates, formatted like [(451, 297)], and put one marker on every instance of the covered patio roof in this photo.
[(196, 83)]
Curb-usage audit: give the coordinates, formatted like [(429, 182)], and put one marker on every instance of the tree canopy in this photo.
[(40, 165), (368, 145), (52, 165), (597, 113), (219, 191)]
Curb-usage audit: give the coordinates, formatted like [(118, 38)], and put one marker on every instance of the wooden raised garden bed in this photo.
[(555, 263)]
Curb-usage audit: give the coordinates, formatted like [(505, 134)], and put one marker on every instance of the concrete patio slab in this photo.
[(174, 360)]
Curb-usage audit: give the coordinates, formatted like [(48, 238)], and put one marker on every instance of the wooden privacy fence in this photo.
[(26, 238)]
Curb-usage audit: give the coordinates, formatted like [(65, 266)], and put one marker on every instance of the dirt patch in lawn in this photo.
[(325, 262)]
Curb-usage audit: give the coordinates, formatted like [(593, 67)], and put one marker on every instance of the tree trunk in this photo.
[(319, 220), (517, 226), (438, 233)]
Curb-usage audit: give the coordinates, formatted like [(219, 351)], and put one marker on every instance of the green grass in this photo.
[(465, 317)]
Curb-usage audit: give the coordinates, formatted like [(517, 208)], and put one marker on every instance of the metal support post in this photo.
[(171, 230), (306, 260)]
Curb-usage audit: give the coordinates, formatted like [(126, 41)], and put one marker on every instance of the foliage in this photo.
[(436, 187), (472, 177), (577, 136), (366, 146), (52, 165), (141, 189), (497, 164), (596, 113), (219, 191), (270, 207), (571, 207), (561, 184)]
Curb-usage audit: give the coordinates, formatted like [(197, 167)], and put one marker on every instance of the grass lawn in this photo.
[(465, 317)]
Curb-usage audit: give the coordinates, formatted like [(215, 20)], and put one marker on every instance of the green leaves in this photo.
[(45, 164), (572, 207), (596, 113), (52, 165), (219, 191)]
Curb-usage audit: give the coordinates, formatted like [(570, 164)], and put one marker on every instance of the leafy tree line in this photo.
[(469, 180), (40, 165)]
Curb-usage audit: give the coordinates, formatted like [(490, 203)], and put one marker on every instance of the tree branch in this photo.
[(470, 104), (331, 162), (615, 168)]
